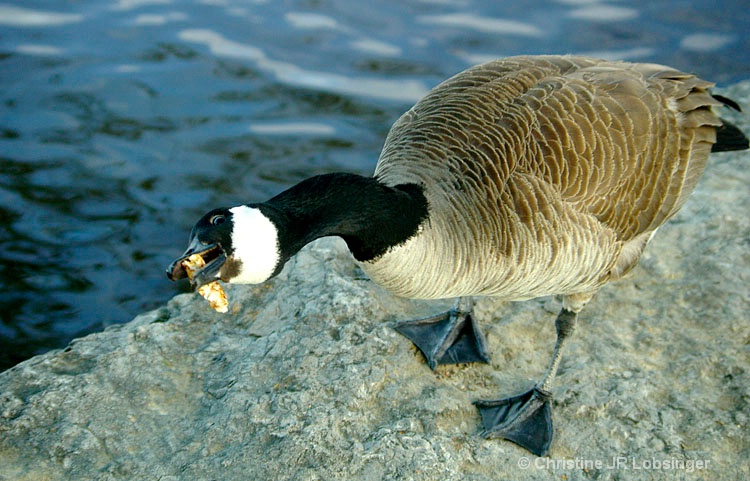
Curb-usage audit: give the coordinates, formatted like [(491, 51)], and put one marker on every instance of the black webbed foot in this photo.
[(525, 419), (450, 338)]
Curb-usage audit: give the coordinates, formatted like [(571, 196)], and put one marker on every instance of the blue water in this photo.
[(122, 121)]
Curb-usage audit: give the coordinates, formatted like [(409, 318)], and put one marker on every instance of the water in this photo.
[(122, 121)]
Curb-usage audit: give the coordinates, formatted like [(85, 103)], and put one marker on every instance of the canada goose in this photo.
[(518, 178)]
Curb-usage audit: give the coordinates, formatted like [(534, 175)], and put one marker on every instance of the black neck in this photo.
[(369, 216)]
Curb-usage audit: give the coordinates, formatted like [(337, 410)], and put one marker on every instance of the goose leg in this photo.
[(449, 338), (526, 419)]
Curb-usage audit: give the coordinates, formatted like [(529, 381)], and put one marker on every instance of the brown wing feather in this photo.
[(623, 142)]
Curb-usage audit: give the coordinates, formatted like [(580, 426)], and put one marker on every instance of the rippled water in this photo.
[(122, 121)]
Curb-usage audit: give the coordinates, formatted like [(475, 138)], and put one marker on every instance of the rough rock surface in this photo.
[(304, 379)]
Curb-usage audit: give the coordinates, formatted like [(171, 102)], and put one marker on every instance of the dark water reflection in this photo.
[(122, 121)]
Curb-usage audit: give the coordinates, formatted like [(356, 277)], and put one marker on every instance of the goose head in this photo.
[(240, 245), (249, 244)]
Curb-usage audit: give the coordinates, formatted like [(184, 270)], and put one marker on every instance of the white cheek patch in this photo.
[(256, 245)]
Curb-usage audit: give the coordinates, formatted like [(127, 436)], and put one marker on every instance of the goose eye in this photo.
[(218, 219)]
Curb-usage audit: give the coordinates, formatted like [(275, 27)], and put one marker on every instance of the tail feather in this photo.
[(728, 138), (728, 102)]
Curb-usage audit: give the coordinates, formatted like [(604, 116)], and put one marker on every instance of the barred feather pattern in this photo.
[(544, 174)]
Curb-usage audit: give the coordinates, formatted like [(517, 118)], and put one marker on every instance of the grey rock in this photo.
[(304, 379)]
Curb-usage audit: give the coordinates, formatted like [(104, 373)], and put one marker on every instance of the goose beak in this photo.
[(214, 256)]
